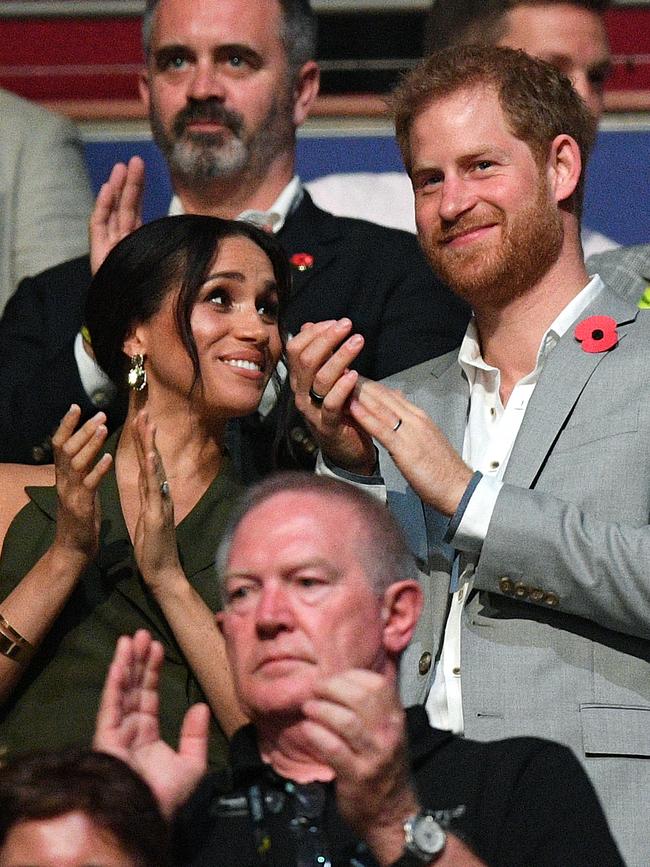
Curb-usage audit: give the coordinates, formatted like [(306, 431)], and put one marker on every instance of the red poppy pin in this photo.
[(597, 333), (302, 261)]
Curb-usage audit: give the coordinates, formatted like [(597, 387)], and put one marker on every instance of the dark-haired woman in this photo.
[(186, 310)]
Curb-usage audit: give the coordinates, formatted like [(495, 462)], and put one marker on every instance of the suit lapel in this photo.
[(566, 372), (309, 230), (445, 398)]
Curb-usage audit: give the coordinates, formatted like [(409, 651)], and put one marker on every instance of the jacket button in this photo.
[(101, 397), (506, 585), (425, 663), (521, 590), (536, 594), (304, 440), (552, 599)]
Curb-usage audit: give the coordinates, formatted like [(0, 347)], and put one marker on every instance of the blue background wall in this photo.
[(618, 183)]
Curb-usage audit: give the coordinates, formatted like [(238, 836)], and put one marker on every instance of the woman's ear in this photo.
[(400, 611), (135, 342)]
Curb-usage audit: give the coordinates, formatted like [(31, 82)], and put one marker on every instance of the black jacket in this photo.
[(520, 802), (376, 276)]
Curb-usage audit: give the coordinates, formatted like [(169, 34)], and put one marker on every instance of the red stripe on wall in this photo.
[(95, 58)]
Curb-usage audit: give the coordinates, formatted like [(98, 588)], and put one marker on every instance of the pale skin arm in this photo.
[(357, 726), (117, 211), (356, 409), (191, 620), (36, 602), (127, 724)]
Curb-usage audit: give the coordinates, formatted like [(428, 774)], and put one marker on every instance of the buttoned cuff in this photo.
[(469, 525), (99, 388)]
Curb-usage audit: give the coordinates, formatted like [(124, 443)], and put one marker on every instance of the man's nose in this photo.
[(206, 82), (273, 613), (457, 195)]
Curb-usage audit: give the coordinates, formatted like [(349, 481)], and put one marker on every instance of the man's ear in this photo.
[(143, 87), (564, 167), (400, 611), (305, 91)]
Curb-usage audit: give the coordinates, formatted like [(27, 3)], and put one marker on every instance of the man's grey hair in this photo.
[(297, 32), (381, 547), (465, 22)]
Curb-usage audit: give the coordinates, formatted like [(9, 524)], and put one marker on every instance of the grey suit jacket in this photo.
[(626, 270), (561, 648), (45, 195)]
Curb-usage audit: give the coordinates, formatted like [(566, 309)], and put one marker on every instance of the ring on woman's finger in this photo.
[(316, 398), (164, 488), (397, 425)]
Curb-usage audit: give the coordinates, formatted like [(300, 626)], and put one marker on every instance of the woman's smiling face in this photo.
[(234, 323)]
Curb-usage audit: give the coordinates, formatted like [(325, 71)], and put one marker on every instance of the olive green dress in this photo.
[(55, 703)]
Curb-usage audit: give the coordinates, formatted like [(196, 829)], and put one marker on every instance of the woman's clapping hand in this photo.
[(78, 474)]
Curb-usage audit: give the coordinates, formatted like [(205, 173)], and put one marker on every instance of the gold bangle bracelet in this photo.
[(10, 649), (12, 643)]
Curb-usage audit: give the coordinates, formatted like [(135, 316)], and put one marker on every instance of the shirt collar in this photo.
[(276, 216), (469, 355)]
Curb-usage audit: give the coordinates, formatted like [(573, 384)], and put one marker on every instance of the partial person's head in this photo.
[(77, 808), (316, 579), (568, 34), (227, 82), (494, 141), (201, 299)]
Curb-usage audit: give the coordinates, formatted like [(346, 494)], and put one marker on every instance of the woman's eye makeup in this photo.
[(269, 308), (218, 297)]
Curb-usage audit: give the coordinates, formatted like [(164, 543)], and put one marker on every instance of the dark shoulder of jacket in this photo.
[(383, 238), (363, 235), (73, 274)]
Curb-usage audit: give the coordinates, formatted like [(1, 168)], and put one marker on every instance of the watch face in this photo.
[(427, 835)]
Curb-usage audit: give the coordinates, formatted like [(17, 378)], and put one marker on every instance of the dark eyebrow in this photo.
[(239, 48), (238, 277), (229, 275), (171, 50), (481, 151)]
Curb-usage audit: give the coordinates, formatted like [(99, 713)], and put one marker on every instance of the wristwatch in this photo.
[(424, 841)]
